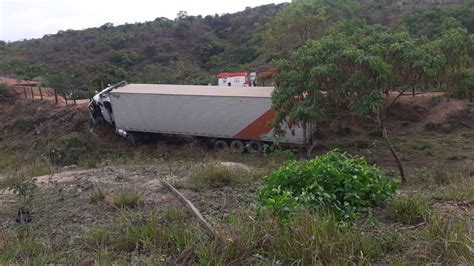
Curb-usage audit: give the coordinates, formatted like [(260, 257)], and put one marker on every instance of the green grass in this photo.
[(96, 196), (306, 240), (171, 236), (212, 176), (445, 185), (468, 135), (127, 199), (424, 148), (23, 246), (447, 242), (407, 210)]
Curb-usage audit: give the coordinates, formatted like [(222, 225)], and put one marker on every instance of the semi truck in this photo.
[(228, 118)]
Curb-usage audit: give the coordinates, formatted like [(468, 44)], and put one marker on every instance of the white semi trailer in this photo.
[(228, 118)]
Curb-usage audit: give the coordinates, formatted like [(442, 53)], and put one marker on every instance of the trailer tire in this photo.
[(237, 146), (254, 147), (134, 139), (221, 145)]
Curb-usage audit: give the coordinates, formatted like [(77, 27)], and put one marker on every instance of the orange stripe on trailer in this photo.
[(257, 128)]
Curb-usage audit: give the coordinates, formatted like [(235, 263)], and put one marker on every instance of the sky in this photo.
[(27, 19)]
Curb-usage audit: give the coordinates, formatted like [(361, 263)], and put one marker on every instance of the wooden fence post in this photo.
[(55, 96), (41, 93), (74, 96), (32, 93), (24, 90)]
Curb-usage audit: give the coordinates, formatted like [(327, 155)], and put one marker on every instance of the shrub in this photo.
[(337, 182), (4, 94), (407, 210), (24, 124), (23, 187), (468, 135), (217, 176), (68, 150)]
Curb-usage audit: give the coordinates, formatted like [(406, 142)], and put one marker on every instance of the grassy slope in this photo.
[(78, 217)]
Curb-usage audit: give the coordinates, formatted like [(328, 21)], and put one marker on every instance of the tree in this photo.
[(61, 82), (355, 68), (457, 48), (304, 20)]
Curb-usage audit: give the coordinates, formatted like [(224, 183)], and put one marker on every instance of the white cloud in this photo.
[(24, 19)]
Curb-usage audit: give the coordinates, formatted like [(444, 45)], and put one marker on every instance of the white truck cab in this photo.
[(101, 108)]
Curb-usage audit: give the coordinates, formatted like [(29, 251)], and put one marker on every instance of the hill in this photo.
[(192, 49)]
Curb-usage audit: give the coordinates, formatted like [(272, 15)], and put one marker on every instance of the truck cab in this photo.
[(101, 108)]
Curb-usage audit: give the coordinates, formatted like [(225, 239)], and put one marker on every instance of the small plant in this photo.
[(4, 94), (68, 150), (468, 135), (97, 196), (216, 176), (424, 148), (24, 124), (407, 210), (121, 177), (127, 199), (24, 188), (276, 153), (342, 184)]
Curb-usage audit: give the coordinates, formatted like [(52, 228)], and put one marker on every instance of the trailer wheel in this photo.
[(221, 145), (237, 146), (254, 147), (134, 139)]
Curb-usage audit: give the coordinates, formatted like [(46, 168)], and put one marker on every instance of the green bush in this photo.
[(24, 124), (4, 95), (335, 182), (68, 150)]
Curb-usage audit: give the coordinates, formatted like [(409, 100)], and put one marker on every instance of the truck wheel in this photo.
[(221, 145), (254, 147), (237, 146), (134, 140)]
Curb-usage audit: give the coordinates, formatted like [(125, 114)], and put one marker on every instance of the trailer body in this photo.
[(200, 111)]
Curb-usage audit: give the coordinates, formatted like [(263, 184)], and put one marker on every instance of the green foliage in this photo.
[(337, 182), (433, 22), (276, 153), (96, 196), (23, 187), (127, 199), (447, 241), (304, 20), (457, 47), (68, 150), (4, 93), (24, 246), (189, 50), (353, 67), (24, 124), (217, 176), (407, 210)]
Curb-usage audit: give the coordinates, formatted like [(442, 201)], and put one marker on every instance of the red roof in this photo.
[(230, 75)]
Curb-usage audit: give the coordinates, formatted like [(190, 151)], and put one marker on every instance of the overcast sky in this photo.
[(26, 19)]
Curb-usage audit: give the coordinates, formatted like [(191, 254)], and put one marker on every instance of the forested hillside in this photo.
[(192, 49)]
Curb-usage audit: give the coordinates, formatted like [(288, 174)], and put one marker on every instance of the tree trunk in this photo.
[(382, 115), (395, 154)]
